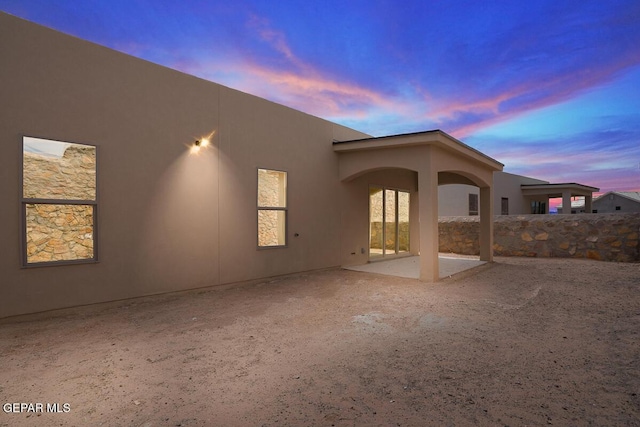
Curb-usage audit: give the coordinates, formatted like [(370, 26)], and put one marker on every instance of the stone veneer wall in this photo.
[(606, 237), (60, 232)]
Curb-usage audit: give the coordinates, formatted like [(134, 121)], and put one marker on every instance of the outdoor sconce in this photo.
[(198, 144), (202, 142)]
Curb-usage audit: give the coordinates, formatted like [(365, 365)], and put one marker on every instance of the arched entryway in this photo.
[(417, 163)]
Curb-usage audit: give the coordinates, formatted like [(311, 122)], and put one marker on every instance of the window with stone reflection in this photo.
[(272, 208), (59, 203)]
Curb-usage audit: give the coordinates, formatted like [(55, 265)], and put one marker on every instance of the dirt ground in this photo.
[(519, 342)]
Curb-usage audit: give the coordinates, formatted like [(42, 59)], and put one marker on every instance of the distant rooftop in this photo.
[(633, 195)]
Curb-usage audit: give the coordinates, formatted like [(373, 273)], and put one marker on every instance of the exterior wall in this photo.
[(608, 202), (454, 199), (508, 185), (606, 237), (168, 220)]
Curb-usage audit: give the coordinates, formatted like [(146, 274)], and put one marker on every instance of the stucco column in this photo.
[(588, 206), (428, 204), (486, 224), (566, 202)]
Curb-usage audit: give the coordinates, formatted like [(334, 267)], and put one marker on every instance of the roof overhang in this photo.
[(436, 138), (556, 190)]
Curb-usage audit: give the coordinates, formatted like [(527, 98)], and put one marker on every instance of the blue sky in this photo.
[(550, 88)]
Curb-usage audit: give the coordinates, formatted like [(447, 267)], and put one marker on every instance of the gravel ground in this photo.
[(519, 342)]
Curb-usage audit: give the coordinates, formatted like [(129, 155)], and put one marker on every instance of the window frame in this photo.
[(396, 250), (538, 207), (284, 209), (476, 202), (504, 203), (24, 201)]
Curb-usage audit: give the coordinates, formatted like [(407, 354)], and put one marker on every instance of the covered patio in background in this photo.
[(566, 191), (418, 163)]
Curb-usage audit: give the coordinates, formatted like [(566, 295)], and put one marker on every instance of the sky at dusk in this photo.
[(550, 88)]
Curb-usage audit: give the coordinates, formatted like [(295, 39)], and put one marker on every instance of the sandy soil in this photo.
[(522, 342)]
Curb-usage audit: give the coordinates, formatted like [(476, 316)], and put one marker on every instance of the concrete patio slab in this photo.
[(409, 267)]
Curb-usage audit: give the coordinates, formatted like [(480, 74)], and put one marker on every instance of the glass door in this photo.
[(403, 221), (388, 222), (376, 222)]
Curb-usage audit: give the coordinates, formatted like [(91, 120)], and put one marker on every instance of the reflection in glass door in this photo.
[(388, 222), (376, 221)]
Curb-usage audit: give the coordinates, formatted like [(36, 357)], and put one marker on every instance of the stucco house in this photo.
[(122, 178), (615, 201), (513, 195)]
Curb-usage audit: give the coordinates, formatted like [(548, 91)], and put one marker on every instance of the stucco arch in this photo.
[(460, 177), (360, 173), (435, 158)]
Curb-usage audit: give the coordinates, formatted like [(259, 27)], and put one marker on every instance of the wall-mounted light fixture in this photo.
[(200, 143)]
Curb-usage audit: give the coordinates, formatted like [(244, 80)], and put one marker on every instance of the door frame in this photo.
[(396, 252)]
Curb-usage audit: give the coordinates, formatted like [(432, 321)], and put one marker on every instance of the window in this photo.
[(504, 206), (538, 207), (618, 208), (272, 208), (59, 204), (473, 204)]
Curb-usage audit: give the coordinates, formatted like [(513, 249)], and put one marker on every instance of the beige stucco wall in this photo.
[(168, 220), (454, 198)]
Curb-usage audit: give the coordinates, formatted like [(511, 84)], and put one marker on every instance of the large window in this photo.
[(272, 208), (59, 204)]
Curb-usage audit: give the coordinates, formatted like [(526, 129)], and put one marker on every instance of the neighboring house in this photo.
[(512, 195), (122, 178), (617, 201)]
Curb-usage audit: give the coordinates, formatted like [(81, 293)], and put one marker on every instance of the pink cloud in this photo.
[(304, 86), (276, 39), (493, 108), (300, 85)]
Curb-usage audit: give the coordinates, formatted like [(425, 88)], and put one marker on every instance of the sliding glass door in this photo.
[(388, 222)]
